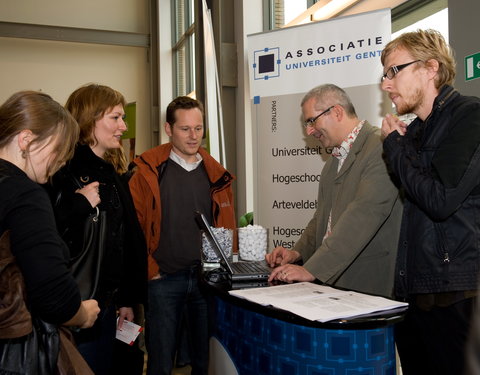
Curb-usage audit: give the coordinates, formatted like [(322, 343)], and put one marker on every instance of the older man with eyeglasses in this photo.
[(351, 241), (437, 160)]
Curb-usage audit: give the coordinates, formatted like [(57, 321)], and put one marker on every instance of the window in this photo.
[(437, 21), (183, 46), (281, 12)]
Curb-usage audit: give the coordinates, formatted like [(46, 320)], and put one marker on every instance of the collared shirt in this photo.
[(341, 153), (181, 162)]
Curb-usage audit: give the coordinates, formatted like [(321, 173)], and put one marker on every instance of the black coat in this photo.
[(124, 267), (438, 164)]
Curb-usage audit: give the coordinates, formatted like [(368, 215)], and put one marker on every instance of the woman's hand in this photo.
[(91, 192), (86, 315), (124, 313)]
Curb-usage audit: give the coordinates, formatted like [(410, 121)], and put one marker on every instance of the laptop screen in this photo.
[(205, 227)]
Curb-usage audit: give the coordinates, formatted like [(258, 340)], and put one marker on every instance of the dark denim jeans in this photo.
[(168, 298), (96, 343)]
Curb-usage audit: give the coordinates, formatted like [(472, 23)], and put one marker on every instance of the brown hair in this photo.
[(88, 104), (425, 45), (181, 102), (45, 118)]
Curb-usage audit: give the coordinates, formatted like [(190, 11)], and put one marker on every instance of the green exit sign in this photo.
[(472, 66)]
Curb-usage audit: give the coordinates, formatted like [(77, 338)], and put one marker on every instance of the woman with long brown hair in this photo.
[(90, 181)]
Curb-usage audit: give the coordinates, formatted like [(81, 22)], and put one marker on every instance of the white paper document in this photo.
[(129, 332), (318, 302)]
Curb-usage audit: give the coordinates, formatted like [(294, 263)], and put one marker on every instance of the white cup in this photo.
[(252, 242)]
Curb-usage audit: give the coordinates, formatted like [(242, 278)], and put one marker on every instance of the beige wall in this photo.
[(58, 68), (118, 15)]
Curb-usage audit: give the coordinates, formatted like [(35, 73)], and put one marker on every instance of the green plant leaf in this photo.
[(245, 219)]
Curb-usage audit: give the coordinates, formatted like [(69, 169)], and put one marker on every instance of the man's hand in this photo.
[(280, 256), (290, 273), (391, 123)]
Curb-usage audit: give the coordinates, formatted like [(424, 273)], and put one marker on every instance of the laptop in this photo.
[(238, 271)]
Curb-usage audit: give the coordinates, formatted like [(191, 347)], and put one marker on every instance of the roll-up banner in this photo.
[(285, 64)]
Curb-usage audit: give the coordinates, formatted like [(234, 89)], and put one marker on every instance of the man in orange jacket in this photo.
[(170, 182)]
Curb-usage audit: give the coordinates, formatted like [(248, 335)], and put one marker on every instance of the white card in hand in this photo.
[(129, 332)]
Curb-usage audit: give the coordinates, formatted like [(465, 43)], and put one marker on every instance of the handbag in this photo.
[(86, 264), (85, 267), (32, 354), (29, 345)]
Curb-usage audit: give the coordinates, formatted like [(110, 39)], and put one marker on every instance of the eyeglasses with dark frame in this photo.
[(311, 121), (393, 70)]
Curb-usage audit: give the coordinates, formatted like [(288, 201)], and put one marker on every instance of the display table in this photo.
[(249, 338)]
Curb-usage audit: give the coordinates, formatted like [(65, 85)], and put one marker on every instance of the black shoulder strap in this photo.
[(75, 180), (67, 173)]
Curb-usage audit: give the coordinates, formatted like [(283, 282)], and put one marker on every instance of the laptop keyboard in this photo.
[(251, 267)]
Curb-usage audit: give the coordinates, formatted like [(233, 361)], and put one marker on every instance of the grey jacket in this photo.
[(360, 252)]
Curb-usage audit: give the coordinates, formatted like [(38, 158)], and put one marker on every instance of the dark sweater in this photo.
[(39, 251), (183, 192)]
